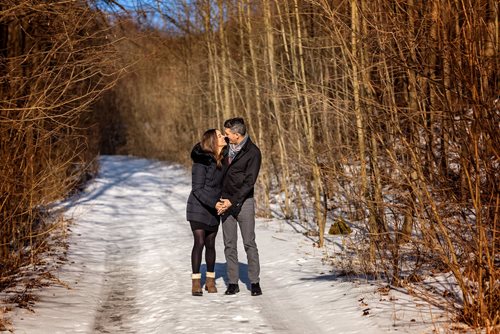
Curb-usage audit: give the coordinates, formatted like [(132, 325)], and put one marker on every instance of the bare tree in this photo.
[(56, 59)]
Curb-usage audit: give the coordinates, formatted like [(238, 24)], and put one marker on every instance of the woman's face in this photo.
[(221, 139)]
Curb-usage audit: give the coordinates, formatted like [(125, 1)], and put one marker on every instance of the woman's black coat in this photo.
[(206, 188)]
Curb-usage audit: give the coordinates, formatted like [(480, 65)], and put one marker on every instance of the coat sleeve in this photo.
[(252, 171), (199, 176)]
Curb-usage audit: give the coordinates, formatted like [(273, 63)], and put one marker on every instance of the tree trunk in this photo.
[(309, 130), (276, 107)]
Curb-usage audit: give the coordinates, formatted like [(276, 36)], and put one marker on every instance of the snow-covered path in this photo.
[(129, 269)]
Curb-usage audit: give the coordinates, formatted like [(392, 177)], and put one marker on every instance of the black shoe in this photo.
[(232, 289), (256, 290)]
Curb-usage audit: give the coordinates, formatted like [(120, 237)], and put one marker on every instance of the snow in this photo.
[(128, 271)]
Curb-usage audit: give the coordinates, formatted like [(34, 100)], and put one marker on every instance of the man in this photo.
[(237, 204)]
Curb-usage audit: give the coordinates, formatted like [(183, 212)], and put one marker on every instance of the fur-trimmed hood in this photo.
[(201, 157)]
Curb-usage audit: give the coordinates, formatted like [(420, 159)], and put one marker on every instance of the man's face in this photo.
[(234, 137)]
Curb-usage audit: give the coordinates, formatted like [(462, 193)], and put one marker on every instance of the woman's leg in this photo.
[(210, 250), (210, 259), (199, 243)]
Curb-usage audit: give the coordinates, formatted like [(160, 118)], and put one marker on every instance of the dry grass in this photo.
[(19, 290)]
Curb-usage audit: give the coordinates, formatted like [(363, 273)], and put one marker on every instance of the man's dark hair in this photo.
[(236, 125)]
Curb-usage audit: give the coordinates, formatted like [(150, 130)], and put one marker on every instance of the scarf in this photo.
[(234, 149)]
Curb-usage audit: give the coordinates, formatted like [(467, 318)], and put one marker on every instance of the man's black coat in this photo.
[(240, 176)]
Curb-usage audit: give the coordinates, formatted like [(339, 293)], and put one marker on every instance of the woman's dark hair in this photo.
[(210, 144)]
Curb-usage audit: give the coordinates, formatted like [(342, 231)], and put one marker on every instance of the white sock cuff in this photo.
[(211, 274), (196, 276)]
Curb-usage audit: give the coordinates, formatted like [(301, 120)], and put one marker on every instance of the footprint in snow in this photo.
[(240, 319)]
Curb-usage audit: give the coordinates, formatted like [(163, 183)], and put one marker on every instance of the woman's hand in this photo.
[(223, 205)]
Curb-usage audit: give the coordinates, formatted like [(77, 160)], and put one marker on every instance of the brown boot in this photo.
[(196, 290), (210, 283)]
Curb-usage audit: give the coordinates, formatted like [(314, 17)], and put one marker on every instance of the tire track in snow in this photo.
[(118, 291)]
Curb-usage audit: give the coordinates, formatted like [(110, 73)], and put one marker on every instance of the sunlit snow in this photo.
[(128, 270)]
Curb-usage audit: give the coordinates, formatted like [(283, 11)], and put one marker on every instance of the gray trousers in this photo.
[(246, 220)]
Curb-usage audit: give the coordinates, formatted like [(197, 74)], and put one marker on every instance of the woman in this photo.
[(207, 172)]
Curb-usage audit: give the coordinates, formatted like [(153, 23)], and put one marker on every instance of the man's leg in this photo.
[(246, 220), (230, 233)]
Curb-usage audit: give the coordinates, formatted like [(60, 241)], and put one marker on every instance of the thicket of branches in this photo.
[(384, 113), (56, 58)]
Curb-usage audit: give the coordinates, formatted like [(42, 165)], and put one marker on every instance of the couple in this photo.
[(222, 188)]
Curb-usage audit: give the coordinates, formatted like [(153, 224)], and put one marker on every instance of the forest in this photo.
[(381, 115)]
